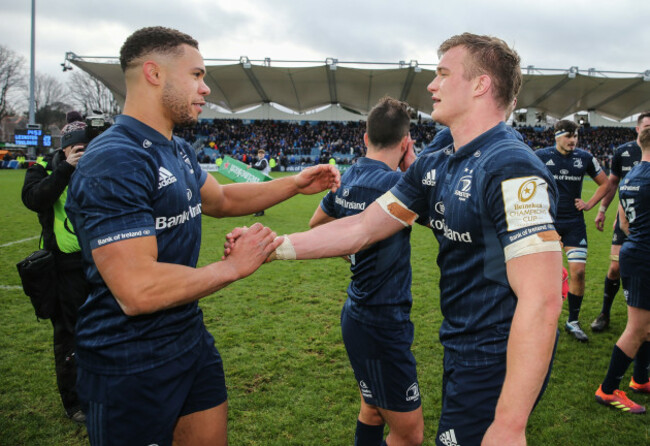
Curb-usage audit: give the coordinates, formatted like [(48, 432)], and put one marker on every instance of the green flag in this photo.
[(240, 172)]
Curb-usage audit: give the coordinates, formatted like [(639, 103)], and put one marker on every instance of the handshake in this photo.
[(248, 248)]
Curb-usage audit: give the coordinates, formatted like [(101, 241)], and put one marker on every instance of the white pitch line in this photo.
[(19, 241), (10, 287)]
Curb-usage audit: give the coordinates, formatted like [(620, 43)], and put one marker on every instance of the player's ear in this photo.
[(482, 84), (404, 144), (152, 72), (365, 138)]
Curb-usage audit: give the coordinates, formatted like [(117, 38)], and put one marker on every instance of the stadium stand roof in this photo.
[(357, 87)]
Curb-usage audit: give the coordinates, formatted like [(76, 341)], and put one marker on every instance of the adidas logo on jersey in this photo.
[(448, 438), (626, 153), (165, 178), (550, 163), (430, 178)]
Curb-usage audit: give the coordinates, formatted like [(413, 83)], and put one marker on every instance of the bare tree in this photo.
[(50, 100), (47, 91), (12, 79), (90, 94)]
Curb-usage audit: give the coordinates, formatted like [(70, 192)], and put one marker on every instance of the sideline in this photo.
[(10, 287), (19, 241)]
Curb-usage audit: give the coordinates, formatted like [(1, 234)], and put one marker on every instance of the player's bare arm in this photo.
[(623, 221), (319, 218), (237, 199), (603, 188), (535, 280), (143, 285), (607, 199)]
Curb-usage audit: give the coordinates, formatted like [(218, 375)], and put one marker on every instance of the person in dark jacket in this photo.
[(44, 191)]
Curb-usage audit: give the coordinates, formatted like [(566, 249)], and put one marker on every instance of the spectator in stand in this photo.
[(261, 164)]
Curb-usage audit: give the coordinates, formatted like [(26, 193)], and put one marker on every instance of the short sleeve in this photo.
[(115, 206), (409, 188), (520, 198), (327, 204)]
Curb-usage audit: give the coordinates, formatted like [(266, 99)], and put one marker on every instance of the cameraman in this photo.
[(44, 191)]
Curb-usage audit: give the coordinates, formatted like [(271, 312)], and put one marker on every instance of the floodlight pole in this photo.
[(31, 69)]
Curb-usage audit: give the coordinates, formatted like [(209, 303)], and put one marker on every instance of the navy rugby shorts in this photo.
[(637, 291), (469, 398), (573, 232), (142, 408), (383, 364)]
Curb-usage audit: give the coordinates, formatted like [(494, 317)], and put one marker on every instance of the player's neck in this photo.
[(561, 151), (466, 130), (148, 113), (389, 156)]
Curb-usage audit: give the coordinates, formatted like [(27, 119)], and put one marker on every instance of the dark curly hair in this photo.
[(153, 39)]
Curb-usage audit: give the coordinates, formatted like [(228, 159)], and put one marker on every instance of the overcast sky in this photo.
[(609, 35)]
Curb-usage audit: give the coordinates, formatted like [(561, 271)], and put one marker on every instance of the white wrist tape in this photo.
[(285, 251), (396, 209), (540, 242), (602, 209)]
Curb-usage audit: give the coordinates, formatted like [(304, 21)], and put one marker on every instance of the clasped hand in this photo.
[(247, 248)]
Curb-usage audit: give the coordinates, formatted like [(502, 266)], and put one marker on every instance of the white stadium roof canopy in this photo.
[(303, 86)]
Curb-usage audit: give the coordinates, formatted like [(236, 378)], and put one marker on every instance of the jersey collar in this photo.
[(143, 130), (478, 142)]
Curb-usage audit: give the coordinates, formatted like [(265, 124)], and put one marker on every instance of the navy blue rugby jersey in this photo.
[(444, 139), (634, 194), (133, 182), (625, 157), (441, 140), (380, 288), (568, 171), (488, 194)]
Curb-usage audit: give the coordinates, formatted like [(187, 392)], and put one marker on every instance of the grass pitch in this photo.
[(278, 332)]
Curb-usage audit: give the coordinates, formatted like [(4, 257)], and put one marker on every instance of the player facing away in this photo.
[(634, 218), (490, 203), (625, 158), (569, 165), (375, 320), (149, 372)]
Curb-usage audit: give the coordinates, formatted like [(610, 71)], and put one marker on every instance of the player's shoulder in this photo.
[(626, 146), (583, 153), (545, 151), (371, 174), (505, 152), (113, 152)]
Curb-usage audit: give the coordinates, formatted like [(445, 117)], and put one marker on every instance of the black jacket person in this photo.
[(44, 191)]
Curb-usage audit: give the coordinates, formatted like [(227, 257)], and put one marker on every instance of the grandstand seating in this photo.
[(296, 143)]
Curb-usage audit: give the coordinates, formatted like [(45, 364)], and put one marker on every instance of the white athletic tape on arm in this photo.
[(285, 251), (541, 242), (602, 209), (396, 209)]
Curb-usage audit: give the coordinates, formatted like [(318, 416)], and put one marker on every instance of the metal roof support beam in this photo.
[(552, 90), (617, 94), (295, 90), (256, 84), (331, 83), (408, 83)]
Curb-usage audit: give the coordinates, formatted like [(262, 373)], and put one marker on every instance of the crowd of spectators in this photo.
[(292, 143)]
